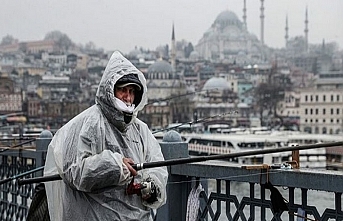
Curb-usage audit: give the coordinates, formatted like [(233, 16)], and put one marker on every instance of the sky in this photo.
[(124, 24)]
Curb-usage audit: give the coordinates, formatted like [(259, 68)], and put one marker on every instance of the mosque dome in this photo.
[(216, 82), (227, 20), (160, 67), (194, 55), (226, 17)]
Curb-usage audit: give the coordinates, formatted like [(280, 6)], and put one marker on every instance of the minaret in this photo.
[(323, 47), (262, 23), (306, 31), (173, 50), (245, 16), (286, 29)]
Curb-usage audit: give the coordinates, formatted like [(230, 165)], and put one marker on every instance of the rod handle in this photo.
[(39, 179)]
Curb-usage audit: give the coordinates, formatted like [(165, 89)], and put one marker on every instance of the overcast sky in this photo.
[(124, 24)]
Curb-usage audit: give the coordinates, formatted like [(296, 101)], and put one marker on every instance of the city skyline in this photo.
[(123, 25)]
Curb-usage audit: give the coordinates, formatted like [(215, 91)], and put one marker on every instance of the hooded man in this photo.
[(94, 151)]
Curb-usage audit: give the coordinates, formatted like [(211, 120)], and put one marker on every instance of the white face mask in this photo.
[(120, 105)]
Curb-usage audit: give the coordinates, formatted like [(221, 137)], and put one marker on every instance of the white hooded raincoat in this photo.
[(87, 152)]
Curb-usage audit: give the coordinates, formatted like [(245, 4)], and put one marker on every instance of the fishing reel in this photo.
[(146, 189)]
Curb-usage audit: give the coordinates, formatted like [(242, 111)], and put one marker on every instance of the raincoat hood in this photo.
[(117, 68)]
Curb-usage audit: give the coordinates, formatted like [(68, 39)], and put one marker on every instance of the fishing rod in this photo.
[(17, 145), (170, 162), (180, 95), (203, 120), (21, 175)]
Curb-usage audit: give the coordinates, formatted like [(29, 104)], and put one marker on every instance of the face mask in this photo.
[(120, 105)]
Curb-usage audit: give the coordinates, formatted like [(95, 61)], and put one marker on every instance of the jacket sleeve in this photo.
[(83, 161), (159, 175)]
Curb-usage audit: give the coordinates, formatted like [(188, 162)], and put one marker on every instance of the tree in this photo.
[(62, 40), (269, 94), (188, 49), (90, 46), (7, 40)]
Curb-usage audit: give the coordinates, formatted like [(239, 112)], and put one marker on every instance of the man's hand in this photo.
[(128, 162)]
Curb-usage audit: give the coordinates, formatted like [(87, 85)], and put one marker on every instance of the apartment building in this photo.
[(34, 47), (321, 107), (10, 97)]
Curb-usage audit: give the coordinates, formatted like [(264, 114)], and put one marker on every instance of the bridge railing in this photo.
[(14, 162), (226, 190), (231, 192)]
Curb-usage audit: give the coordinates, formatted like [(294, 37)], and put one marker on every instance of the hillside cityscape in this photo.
[(229, 79)]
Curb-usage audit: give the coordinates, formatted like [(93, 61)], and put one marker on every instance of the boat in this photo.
[(211, 144), (219, 143)]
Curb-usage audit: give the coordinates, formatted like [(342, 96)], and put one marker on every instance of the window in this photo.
[(324, 111), (324, 130), (324, 98)]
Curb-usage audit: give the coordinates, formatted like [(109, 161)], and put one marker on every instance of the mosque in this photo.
[(227, 41)]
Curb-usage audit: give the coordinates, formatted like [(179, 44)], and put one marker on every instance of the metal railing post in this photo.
[(178, 187), (42, 144)]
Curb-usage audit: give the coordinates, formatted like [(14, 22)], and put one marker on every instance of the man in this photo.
[(94, 151)]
